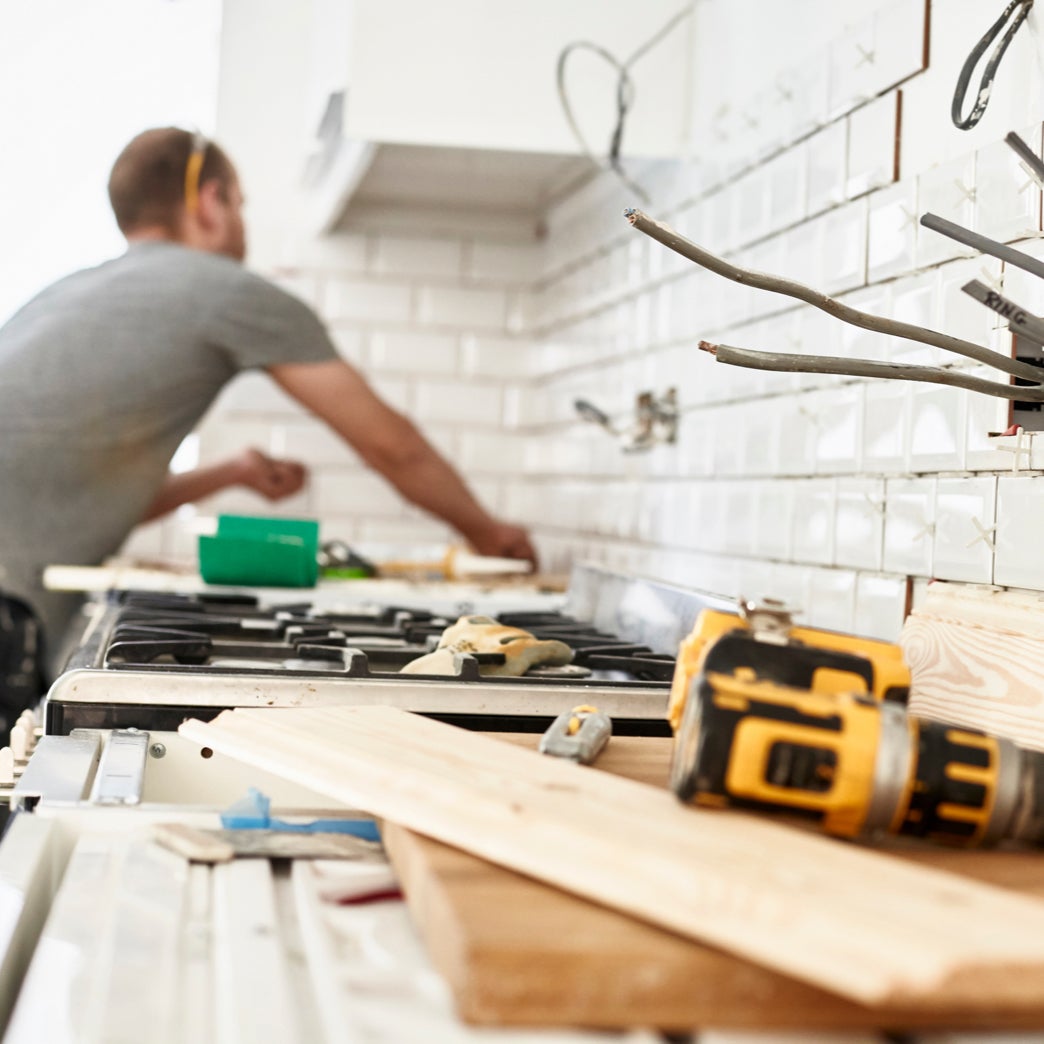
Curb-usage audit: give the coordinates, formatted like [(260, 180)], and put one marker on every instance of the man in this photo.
[(104, 373)]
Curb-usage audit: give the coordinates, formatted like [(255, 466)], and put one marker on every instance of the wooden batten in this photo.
[(855, 922), (976, 658)]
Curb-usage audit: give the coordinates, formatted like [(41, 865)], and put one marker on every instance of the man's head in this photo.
[(171, 184)]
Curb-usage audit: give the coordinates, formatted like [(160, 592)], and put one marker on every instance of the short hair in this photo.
[(147, 182)]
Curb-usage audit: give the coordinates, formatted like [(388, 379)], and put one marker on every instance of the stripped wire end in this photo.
[(631, 213), (706, 346)]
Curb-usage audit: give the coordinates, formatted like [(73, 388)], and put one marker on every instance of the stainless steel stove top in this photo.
[(148, 659)]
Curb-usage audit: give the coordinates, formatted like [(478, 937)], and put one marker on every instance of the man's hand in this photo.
[(273, 479), (504, 540)]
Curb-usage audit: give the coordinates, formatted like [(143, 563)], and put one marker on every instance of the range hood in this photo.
[(355, 184)]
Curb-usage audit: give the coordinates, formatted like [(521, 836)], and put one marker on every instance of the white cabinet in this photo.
[(482, 74)]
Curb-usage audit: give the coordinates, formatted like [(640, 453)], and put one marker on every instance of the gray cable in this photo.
[(775, 284), (624, 97), (984, 243), (783, 362), (1030, 160)]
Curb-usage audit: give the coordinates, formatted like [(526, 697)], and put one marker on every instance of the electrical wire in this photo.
[(785, 362), (625, 94), (775, 284), (983, 243), (982, 97)]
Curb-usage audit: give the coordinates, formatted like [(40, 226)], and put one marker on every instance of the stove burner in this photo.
[(234, 635)]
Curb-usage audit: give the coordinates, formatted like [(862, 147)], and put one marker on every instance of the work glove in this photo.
[(481, 634)]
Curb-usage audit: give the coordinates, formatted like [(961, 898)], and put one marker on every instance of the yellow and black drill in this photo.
[(855, 762)]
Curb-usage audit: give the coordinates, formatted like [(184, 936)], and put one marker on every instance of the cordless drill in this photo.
[(856, 765)]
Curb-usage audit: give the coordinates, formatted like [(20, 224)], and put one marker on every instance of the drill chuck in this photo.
[(855, 765)]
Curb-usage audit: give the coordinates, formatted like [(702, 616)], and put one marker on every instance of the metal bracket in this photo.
[(655, 420)]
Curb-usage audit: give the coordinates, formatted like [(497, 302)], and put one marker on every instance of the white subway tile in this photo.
[(886, 413), (359, 493), (859, 523), (852, 73), (844, 247), (880, 605), (838, 429), (900, 41), (948, 191), (1019, 560), (937, 429), (464, 404), (812, 532), (873, 145), (463, 307), (808, 85), (787, 188), (367, 300), (750, 201), (415, 256), (771, 535), (909, 526), (1007, 199), (417, 353), (741, 506), (965, 510), (827, 167), (892, 231), (831, 599), (987, 416), (334, 252)]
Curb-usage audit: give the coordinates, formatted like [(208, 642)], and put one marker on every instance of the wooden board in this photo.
[(865, 925), (976, 658), (516, 952)]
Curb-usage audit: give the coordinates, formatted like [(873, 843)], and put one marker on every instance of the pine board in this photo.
[(516, 952), (867, 926), (976, 658)]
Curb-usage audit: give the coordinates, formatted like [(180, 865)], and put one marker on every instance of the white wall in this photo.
[(78, 81), (826, 491)]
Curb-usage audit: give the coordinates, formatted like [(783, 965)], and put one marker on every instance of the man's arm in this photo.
[(273, 479), (389, 442)]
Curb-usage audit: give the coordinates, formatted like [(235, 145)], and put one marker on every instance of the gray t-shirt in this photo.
[(101, 377)]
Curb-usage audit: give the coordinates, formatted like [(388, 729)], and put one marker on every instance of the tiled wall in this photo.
[(827, 491), (437, 325)]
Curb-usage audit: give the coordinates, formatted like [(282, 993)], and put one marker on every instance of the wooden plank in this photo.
[(852, 921), (976, 658), (518, 952)]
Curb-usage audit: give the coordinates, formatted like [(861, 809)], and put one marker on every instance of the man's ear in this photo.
[(210, 205)]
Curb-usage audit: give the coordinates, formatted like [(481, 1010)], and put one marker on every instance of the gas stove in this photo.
[(148, 660)]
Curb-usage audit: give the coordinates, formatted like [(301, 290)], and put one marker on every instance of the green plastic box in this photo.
[(261, 552)]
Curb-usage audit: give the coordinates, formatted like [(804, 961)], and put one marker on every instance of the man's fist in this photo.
[(503, 540), (273, 479)]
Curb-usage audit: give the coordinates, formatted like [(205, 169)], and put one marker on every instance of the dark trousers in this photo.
[(21, 661)]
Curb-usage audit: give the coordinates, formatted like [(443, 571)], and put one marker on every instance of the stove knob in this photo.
[(7, 776)]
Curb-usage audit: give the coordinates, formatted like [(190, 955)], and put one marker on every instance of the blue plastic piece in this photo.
[(252, 813)]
